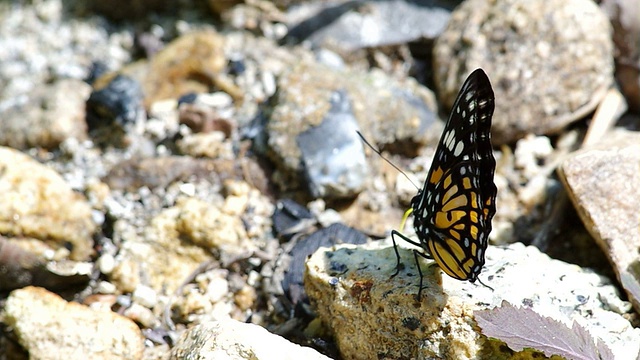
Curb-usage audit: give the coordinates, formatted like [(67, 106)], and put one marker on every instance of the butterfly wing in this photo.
[(452, 214)]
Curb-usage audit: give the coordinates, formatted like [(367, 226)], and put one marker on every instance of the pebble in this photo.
[(145, 296)]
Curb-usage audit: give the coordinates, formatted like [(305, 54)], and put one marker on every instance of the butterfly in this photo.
[(453, 212)]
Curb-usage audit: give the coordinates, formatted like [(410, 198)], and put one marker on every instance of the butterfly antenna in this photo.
[(485, 285), (385, 159)]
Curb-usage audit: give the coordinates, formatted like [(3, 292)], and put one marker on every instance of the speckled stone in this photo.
[(51, 114), (371, 313), (550, 63), (156, 252)]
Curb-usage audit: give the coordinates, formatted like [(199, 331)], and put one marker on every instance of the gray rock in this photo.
[(354, 25), (332, 154), (388, 112)]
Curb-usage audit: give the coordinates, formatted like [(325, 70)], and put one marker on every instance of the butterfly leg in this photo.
[(399, 265), (415, 256)]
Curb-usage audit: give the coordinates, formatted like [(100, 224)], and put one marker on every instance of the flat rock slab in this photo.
[(603, 184), (375, 316)]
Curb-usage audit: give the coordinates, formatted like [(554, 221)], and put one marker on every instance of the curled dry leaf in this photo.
[(522, 328)]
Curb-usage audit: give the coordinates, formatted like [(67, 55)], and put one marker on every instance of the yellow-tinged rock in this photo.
[(49, 327), (36, 202)]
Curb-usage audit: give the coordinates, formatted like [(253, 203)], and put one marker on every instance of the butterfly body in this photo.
[(453, 212)]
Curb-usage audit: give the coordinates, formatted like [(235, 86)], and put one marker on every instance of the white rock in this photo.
[(371, 313), (145, 296), (231, 339)]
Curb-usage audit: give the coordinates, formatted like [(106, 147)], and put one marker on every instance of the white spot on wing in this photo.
[(468, 96), (472, 106), (449, 139), (459, 148)]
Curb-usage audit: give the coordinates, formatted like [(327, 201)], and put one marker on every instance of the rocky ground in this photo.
[(169, 169)]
